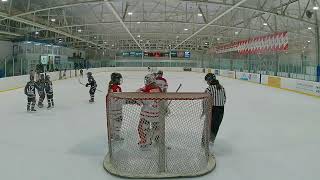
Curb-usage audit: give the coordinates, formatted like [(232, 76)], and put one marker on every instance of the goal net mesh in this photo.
[(181, 148)]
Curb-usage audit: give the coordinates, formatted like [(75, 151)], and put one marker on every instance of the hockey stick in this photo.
[(179, 87), (85, 85)]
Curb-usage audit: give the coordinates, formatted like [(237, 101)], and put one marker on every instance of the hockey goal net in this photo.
[(181, 148)]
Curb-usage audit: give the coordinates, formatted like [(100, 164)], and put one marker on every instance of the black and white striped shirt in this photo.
[(218, 95)]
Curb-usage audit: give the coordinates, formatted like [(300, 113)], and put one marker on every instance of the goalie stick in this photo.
[(85, 85)]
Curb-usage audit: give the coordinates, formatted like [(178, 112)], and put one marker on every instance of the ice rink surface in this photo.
[(266, 133)]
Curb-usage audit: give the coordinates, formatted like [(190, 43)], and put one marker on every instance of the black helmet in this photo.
[(160, 72), (210, 77), (31, 78), (47, 77), (89, 74), (116, 78), (42, 76)]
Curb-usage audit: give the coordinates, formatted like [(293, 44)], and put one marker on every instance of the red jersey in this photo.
[(115, 88), (150, 89)]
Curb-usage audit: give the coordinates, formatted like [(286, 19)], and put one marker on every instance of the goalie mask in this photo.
[(149, 79), (116, 78)]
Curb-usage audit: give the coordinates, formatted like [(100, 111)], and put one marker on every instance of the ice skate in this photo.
[(145, 147), (40, 105), (117, 138)]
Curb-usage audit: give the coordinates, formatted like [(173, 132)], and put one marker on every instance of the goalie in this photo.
[(148, 128)]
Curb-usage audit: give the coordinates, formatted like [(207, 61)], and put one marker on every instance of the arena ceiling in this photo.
[(154, 24)]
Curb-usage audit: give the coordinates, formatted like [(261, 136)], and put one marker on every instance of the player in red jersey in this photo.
[(149, 115), (115, 107)]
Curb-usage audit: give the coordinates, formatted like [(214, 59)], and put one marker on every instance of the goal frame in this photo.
[(107, 163)]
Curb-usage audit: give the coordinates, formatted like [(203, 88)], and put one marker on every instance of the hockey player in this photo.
[(116, 106), (149, 115), (40, 84), (161, 81), (49, 91), (81, 73), (93, 86), (30, 91)]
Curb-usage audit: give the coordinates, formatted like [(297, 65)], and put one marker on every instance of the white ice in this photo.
[(266, 134)]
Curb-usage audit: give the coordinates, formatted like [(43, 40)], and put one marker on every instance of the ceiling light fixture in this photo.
[(309, 28), (36, 32), (53, 20), (315, 8), (236, 33), (186, 29), (200, 15), (265, 24), (79, 30), (130, 13), (138, 22)]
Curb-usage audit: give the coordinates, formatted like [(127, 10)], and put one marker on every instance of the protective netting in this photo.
[(170, 141)]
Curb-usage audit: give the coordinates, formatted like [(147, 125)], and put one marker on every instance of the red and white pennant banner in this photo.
[(258, 45)]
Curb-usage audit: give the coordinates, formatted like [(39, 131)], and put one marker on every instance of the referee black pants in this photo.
[(217, 116)]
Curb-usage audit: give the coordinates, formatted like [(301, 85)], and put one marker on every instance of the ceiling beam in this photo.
[(55, 7), (111, 7), (177, 22), (214, 20), (260, 10), (9, 33), (44, 27)]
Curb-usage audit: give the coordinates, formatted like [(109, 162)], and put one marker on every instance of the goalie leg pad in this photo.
[(144, 131), (116, 126), (155, 130)]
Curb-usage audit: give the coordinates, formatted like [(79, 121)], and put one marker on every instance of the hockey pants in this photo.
[(116, 125), (92, 91), (41, 98), (50, 100), (148, 134), (31, 102)]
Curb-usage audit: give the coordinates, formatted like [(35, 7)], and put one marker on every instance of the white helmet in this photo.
[(149, 79)]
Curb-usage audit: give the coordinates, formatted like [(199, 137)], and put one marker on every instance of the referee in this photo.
[(218, 94)]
